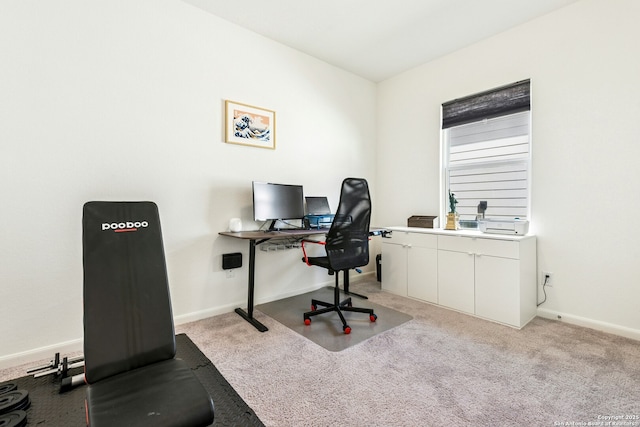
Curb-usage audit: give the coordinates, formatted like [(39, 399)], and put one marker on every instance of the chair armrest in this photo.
[(304, 252)]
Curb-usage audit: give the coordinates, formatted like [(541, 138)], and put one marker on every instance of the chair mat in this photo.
[(326, 329)]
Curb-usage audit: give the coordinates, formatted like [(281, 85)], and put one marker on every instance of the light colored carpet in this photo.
[(326, 329), (441, 368)]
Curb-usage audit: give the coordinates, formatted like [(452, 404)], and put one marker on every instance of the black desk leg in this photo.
[(248, 315), (346, 286)]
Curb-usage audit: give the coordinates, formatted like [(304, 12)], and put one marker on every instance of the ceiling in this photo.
[(378, 39)]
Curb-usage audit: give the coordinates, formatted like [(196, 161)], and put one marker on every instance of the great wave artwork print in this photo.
[(249, 125)]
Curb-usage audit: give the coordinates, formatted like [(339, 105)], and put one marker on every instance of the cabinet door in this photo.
[(394, 268), (422, 274), (498, 289), (456, 280)]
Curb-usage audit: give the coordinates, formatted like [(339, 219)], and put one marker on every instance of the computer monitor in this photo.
[(274, 202)]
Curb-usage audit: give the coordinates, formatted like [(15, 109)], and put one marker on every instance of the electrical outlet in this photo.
[(547, 277)]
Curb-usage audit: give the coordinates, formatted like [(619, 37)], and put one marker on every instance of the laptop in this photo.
[(317, 206)]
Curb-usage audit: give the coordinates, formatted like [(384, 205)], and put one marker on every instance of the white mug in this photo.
[(235, 225)]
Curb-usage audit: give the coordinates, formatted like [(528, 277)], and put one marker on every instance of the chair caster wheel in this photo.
[(313, 307), (373, 318), (307, 322), (347, 330)]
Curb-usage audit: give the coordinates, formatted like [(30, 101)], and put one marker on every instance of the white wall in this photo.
[(584, 63), (123, 100)]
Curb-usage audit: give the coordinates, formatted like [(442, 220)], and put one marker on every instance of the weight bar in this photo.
[(61, 369), (52, 364), (57, 368), (70, 383)]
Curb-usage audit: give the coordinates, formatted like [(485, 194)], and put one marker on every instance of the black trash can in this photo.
[(379, 267)]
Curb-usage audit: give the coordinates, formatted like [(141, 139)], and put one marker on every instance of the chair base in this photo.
[(337, 306)]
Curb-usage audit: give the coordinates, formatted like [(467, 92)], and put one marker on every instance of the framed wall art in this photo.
[(249, 125)]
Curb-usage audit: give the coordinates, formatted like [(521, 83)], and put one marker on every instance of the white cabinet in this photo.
[(394, 266), (489, 276), (409, 265), (456, 280), (497, 290), (422, 270)]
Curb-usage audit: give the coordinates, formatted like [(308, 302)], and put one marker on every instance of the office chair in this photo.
[(129, 339), (346, 246)]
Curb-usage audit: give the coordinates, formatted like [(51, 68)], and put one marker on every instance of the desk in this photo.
[(257, 237)]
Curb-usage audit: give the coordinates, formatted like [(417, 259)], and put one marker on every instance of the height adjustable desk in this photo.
[(257, 237)]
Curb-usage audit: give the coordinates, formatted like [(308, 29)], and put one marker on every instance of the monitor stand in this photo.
[(272, 227)]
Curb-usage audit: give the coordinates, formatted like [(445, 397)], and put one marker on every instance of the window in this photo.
[(486, 152)]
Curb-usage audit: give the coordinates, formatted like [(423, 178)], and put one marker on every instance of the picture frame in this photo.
[(249, 125)]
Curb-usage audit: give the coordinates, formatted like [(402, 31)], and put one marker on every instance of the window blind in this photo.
[(509, 99)]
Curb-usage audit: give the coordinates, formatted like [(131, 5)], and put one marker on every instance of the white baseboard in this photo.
[(45, 353), (204, 314), (42, 353), (590, 323)]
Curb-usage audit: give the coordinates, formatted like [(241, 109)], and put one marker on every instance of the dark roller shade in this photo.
[(500, 101)]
